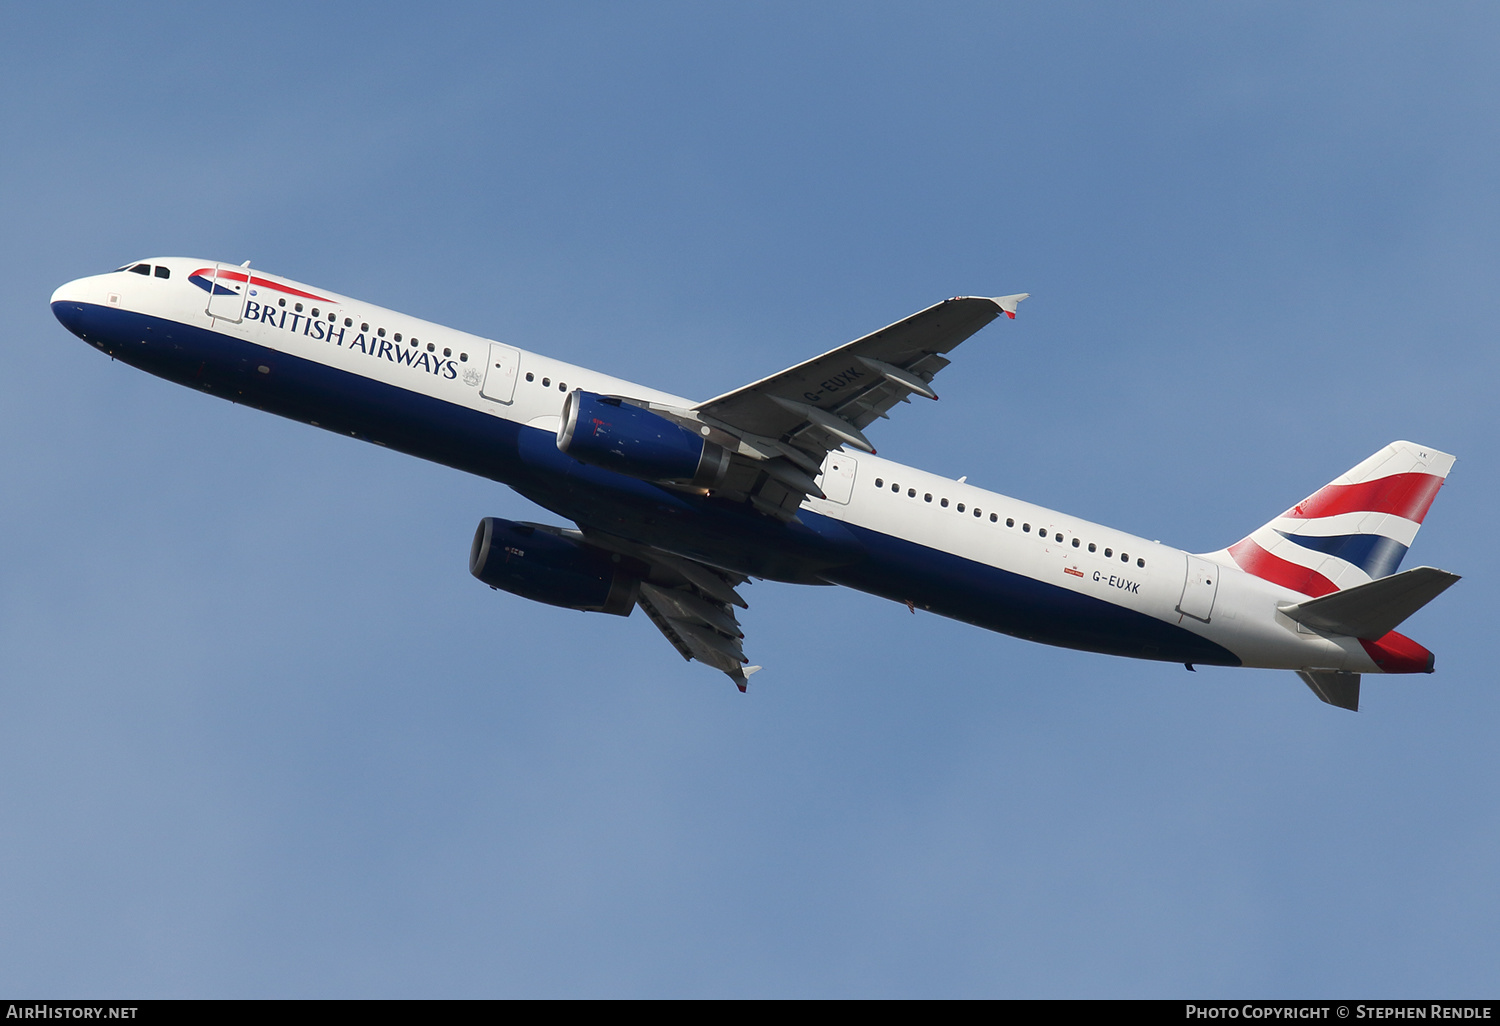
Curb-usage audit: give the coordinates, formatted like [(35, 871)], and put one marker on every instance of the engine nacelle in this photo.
[(547, 564), (607, 432)]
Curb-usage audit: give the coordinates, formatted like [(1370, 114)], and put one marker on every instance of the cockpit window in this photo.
[(162, 272), (141, 269)]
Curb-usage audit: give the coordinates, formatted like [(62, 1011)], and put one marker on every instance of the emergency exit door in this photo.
[(500, 374), (1199, 589)]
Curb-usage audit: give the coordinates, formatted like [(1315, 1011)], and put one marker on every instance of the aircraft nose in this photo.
[(66, 291), (70, 304)]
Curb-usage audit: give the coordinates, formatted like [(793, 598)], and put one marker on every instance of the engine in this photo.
[(608, 432), (548, 564)]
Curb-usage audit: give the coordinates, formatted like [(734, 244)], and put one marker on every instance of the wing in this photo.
[(856, 383), (780, 429), (691, 603)]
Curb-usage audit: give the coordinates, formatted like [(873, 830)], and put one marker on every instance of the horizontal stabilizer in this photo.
[(1334, 687), (1373, 610)]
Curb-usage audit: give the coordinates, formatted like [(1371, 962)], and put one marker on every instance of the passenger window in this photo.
[(1026, 528), (447, 351), (960, 507), (364, 327), (560, 386), (1010, 521), (1140, 562), (1075, 543), (927, 497), (994, 518), (463, 357), (977, 512), (315, 312), (141, 269), (911, 493), (895, 487), (380, 332), (1124, 557), (1091, 546), (297, 308), (943, 503), (281, 302), (546, 382), (878, 483), (1108, 553), (1059, 537), (163, 272)]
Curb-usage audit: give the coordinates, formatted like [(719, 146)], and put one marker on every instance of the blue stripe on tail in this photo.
[(1375, 554)]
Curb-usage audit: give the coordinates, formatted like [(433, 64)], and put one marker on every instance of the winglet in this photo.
[(1009, 303), (741, 677)]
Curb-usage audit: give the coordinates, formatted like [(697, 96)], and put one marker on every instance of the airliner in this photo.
[(674, 505)]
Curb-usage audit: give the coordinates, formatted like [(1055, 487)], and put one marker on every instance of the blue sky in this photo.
[(264, 736)]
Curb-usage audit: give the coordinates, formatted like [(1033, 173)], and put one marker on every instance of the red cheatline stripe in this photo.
[(208, 272), (1255, 560), (1405, 495)]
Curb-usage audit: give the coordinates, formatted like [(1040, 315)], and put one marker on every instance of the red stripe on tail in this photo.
[(1405, 495), (1255, 560)]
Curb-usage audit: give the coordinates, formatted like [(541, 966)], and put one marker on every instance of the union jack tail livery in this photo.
[(1354, 529)]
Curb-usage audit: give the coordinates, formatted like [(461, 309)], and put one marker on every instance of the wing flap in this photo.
[(692, 604)]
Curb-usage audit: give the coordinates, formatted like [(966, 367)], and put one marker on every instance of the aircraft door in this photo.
[(837, 478), (226, 296), (500, 375), (1199, 589)]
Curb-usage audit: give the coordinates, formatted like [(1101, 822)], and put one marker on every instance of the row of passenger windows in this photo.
[(547, 382), (1041, 532), (379, 332)]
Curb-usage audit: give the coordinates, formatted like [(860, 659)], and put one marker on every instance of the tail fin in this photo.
[(1354, 529)]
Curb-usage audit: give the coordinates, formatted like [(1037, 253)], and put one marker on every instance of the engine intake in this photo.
[(606, 431), (548, 564)]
